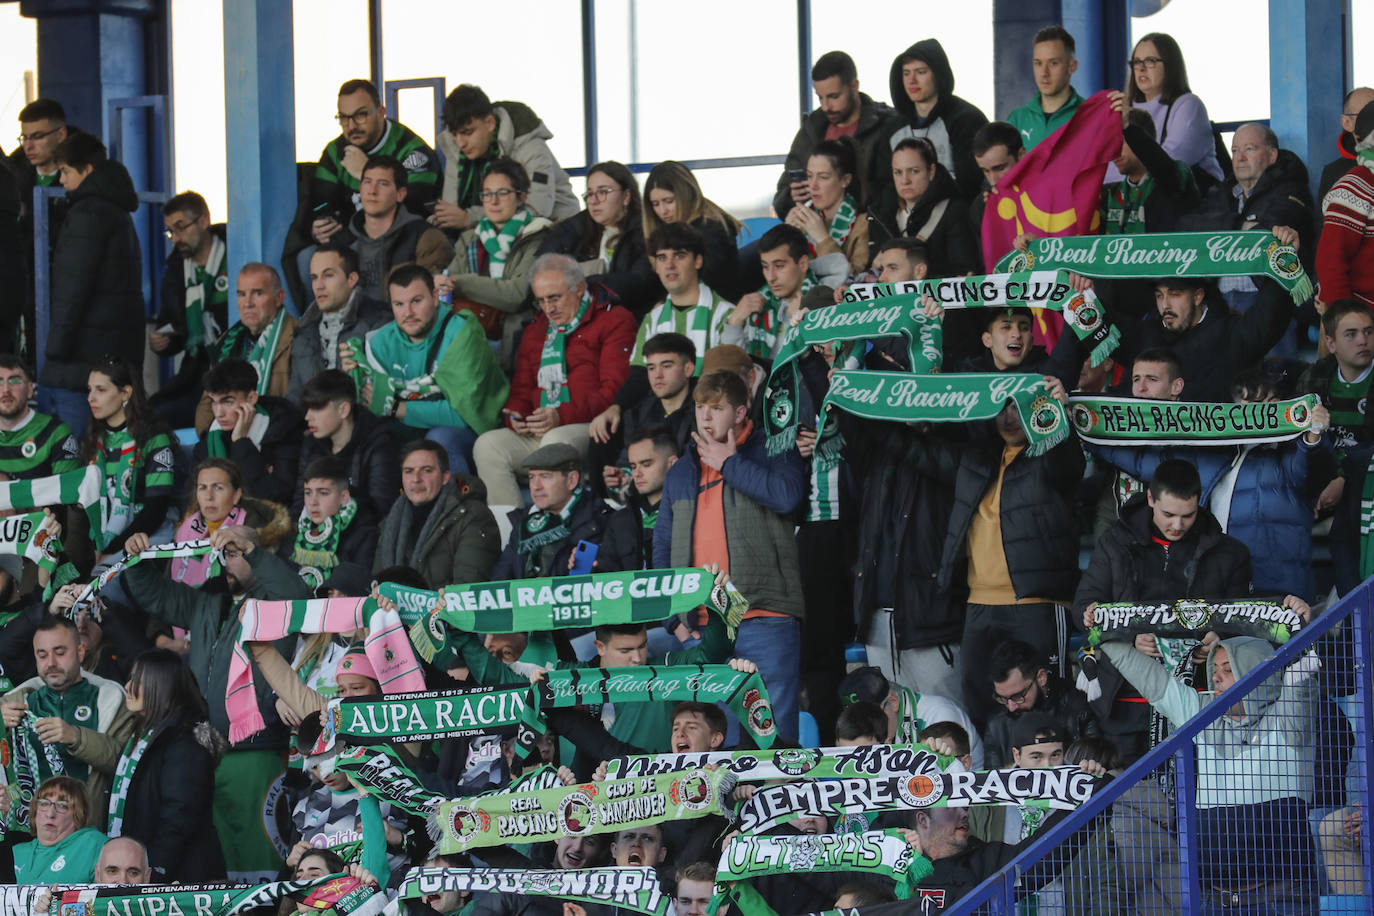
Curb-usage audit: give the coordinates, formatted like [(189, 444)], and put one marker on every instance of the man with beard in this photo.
[(32, 444), (195, 303), (212, 615), (82, 714)]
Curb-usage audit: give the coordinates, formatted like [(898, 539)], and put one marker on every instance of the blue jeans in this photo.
[(458, 442), (774, 644), (68, 406)]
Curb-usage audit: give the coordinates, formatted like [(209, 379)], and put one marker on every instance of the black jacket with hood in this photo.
[(950, 125), (951, 249), (268, 465), (1279, 198), (876, 122), (97, 303), (374, 464)]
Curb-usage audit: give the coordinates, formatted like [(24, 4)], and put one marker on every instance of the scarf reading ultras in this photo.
[(1149, 256), (876, 852), (316, 550), (596, 807), (553, 359), (628, 888)]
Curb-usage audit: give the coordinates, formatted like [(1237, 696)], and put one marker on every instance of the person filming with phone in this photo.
[(565, 511)]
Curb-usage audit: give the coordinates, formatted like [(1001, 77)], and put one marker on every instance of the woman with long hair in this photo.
[(923, 203), (1157, 82), (832, 220), (164, 783), (134, 452), (607, 238), (672, 195)]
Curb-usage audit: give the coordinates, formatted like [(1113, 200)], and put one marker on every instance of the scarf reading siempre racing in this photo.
[(628, 888), (198, 548), (316, 550), (869, 761), (1060, 788), (1191, 617), (1107, 421), (944, 398), (338, 894), (878, 852), (498, 242), (261, 353), (1150, 256), (553, 361), (573, 811)]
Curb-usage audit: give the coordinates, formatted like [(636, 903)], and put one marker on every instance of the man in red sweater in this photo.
[(572, 360), (1345, 252)]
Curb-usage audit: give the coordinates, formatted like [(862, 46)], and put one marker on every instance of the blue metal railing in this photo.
[(998, 895)]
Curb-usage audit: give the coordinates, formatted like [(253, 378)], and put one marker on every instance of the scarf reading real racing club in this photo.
[(1113, 420)]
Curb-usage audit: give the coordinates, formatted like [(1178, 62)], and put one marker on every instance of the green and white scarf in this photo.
[(946, 398), (553, 361), (202, 284), (83, 487), (27, 536), (1043, 289), (1154, 255), (218, 439), (762, 328), (627, 888), (123, 778), (199, 548), (498, 242), (843, 221), (332, 895), (1191, 617), (1109, 421), (909, 725), (262, 352), (379, 772), (542, 527), (1367, 522), (873, 852), (867, 761), (316, 550), (573, 811), (386, 390), (1060, 788), (433, 715), (702, 324), (28, 764)]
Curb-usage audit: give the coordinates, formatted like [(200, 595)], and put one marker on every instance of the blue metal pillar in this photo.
[(260, 121), (1307, 77), (1099, 30)]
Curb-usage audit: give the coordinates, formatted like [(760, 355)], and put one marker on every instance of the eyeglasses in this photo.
[(498, 194), (178, 229), (48, 804), (358, 117), (1138, 62), (1017, 698), (38, 135), (551, 299), (599, 194)]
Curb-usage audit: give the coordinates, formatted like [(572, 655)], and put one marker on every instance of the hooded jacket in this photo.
[(876, 122), (458, 542), (361, 315), (408, 238), (1279, 198), (521, 136), (587, 523), (96, 306), (951, 250), (374, 464), (950, 125)]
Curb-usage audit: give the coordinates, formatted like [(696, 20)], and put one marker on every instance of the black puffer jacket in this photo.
[(876, 122), (169, 802), (1061, 701), (269, 466), (630, 275), (97, 281), (586, 523), (1279, 198), (1039, 525), (374, 464), (950, 247), (950, 125)]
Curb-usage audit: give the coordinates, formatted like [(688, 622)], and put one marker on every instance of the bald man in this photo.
[(123, 860)]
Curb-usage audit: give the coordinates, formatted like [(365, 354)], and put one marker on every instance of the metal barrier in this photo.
[(1221, 818)]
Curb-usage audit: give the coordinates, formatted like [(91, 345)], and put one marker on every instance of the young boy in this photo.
[(333, 527), (261, 434)]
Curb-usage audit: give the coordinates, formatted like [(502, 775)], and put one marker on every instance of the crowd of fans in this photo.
[(467, 343)]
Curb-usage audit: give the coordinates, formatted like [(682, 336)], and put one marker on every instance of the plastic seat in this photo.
[(808, 732)]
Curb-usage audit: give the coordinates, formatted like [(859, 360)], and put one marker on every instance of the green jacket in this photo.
[(645, 725), (212, 618), (1030, 119)]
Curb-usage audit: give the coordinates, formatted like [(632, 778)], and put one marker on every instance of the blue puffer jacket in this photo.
[(1269, 513)]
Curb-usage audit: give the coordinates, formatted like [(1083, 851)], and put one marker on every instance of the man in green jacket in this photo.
[(212, 615), (1056, 102)]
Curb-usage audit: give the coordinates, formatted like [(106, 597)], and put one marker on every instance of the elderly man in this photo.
[(564, 511), (263, 335), (572, 361), (1351, 105), (123, 860)]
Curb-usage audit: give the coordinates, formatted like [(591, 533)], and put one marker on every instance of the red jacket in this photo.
[(598, 357), (1345, 251)]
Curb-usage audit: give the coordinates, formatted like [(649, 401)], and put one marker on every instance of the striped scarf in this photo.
[(498, 242), (261, 352), (316, 550), (82, 487), (763, 327), (123, 778), (553, 359), (843, 222)]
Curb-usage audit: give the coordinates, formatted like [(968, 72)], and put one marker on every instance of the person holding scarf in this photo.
[(163, 785), (135, 456), (261, 434), (759, 321), (573, 360), (832, 221), (217, 499), (333, 526), (490, 272)]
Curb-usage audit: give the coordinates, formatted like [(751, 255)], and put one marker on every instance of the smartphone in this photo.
[(516, 416), (796, 175), (584, 558)]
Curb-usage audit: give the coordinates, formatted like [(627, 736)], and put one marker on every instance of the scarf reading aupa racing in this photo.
[(595, 807), (866, 761), (1191, 617), (627, 888), (1152, 255), (338, 894), (1062, 788), (1136, 421)]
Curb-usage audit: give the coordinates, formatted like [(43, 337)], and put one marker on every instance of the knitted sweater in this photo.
[(1345, 252)]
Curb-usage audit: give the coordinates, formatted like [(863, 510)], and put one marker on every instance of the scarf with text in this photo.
[(1042, 289), (553, 358), (761, 329), (498, 242), (386, 647), (179, 549), (316, 550), (28, 763), (573, 811), (909, 725), (842, 322), (626, 888), (123, 777), (1150, 256), (261, 352), (1367, 522), (1112, 420), (873, 852), (386, 391), (201, 285), (1060, 788), (542, 527), (436, 715), (1191, 617), (83, 487), (868, 762), (944, 398), (340, 894), (30, 537), (379, 772)]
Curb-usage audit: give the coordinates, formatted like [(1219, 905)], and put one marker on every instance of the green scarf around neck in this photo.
[(498, 242), (261, 353), (316, 550), (842, 223), (553, 359)]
